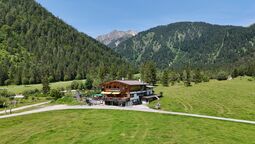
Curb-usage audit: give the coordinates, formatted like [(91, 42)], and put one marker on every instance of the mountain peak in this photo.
[(116, 35)]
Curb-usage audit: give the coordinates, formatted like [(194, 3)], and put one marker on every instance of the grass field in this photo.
[(105, 126), (29, 101), (20, 88), (234, 99)]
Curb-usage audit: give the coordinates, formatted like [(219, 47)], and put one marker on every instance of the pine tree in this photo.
[(165, 79), (198, 77), (88, 84), (149, 72), (46, 86), (235, 73), (187, 77)]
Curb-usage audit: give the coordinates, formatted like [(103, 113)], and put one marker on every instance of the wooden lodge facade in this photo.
[(125, 92)]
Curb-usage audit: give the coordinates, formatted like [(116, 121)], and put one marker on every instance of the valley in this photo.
[(125, 72)]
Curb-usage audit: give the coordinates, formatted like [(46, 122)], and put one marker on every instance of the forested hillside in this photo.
[(197, 44), (34, 44)]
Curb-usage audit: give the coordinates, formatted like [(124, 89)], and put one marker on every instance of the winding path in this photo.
[(140, 108)]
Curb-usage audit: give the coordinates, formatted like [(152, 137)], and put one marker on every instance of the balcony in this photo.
[(117, 99)]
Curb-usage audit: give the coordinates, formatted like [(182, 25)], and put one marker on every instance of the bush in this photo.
[(31, 92), (222, 76), (250, 79), (56, 94), (75, 85), (88, 84), (5, 93), (206, 78), (67, 100), (51, 79), (81, 86), (2, 101)]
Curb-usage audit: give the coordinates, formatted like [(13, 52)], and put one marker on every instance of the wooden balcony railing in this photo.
[(117, 99)]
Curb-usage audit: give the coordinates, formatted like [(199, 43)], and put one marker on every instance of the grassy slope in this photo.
[(235, 99), (102, 126), (21, 88)]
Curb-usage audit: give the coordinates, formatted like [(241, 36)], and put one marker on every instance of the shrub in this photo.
[(2, 101), (222, 76), (88, 84), (75, 85), (81, 86), (67, 100), (250, 79), (5, 93), (31, 92), (206, 78), (56, 94), (51, 78)]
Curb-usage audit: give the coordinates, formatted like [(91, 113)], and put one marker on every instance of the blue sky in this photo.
[(96, 17)]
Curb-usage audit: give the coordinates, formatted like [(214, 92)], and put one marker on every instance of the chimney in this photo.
[(139, 80)]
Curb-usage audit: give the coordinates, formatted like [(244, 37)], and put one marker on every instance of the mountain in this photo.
[(34, 44), (196, 44), (115, 37)]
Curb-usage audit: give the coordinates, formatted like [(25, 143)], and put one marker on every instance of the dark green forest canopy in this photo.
[(197, 44), (34, 43)]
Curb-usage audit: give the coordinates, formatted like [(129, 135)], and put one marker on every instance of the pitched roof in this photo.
[(127, 82), (131, 82)]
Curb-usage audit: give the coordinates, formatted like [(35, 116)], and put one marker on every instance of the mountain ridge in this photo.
[(198, 44)]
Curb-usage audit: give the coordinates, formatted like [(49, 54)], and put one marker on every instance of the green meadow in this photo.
[(21, 88), (125, 127), (234, 98)]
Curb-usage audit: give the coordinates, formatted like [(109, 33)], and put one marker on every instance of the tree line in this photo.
[(188, 75)]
